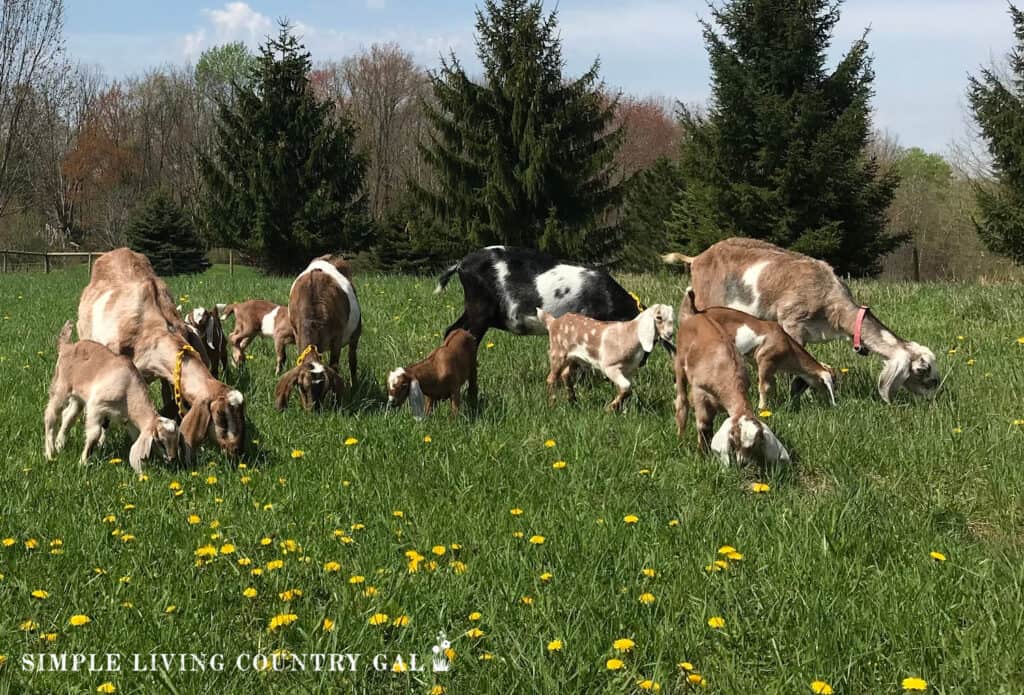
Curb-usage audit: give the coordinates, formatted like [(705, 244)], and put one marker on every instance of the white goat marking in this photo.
[(197, 315), (501, 275), (317, 368), (748, 431), (720, 442), (750, 278), (747, 340), (548, 283), (104, 331), (267, 324), (394, 376), (235, 398), (344, 284)]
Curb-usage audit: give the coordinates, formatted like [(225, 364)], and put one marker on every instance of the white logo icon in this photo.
[(441, 663)]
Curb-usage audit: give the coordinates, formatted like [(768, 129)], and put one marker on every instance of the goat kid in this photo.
[(108, 388), (770, 348), (313, 379), (710, 378), (616, 348), (257, 317), (439, 376), (810, 303), (206, 326)]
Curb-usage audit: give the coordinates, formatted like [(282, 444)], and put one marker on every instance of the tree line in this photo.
[(404, 167)]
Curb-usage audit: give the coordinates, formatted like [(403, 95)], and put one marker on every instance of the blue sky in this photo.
[(923, 49)]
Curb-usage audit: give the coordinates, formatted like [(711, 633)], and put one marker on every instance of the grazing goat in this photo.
[(206, 326), (711, 377), (616, 348), (257, 317), (127, 308), (809, 301), (503, 286), (109, 388), (325, 316), (769, 347), (439, 376)]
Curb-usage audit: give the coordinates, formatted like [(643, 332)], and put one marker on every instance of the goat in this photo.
[(206, 326), (325, 316), (503, 286), (616, 348), (107, 387), (769, 347), (810, 303), (711, 377), (257, 317), (127, 308), (439, 376)]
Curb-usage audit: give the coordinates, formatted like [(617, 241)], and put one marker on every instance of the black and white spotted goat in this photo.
[(504, 286)]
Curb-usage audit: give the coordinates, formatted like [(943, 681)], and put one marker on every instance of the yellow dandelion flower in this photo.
[(735, 556), (489, 346), (614, 664), (765, 413), (648, 572), (107, 687), (8, 542), (357, 526), (281, 620), (648, 684), (256, 571), (127, 538), (245, 479), (438, 550), (631, 518), (31, 544), (559, 465), (227, 549), (328, 625), (537, 540), (427, 439), (486, 656), (356, 579), (623, 644), (647, 598), (914, 683), (726, 549), (716, 622), (515, 511), (399, 666), (28, 626), (546, 576), (275, 565), (474, 633), (211, 480), (685, 666), (194, 519), (249, 592), (400, 621), (555, 645), (298, 453), (370, 591), (79, 620), (673, 522), (937, 556), (459, 567), (760, 488), (378, 619), (174, 485), (821, 688), (332, 566), (475, 615), (114, 461), (398, 514), (518, 534), (1020, 340), (41, 594), (350, 441), (266, 541), (696, 679), (244, 562), (549, 443), (526, 600), (206, 552), (437, 690)]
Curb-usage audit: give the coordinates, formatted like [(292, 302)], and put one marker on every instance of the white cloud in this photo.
[(236, 21)]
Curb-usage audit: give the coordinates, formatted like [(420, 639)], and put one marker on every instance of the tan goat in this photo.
[(108, 388), (127, 308), (257, 317), (439, 376)]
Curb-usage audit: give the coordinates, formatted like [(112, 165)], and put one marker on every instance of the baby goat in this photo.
[(438, 376), (257, 317), (616, 348), (708, 366), (769, 347), (107, 387), (206, 326)]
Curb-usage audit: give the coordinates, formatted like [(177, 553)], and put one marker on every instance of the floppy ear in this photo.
[(417, 402), (646, 330), (195, 424), (284, 388), (140, 450), (827, 381), (894, 375)]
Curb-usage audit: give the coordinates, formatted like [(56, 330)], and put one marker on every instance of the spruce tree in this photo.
[(649, 200), (162, 232), (781, 153), (283, 183), (524, 156), (998, 108)]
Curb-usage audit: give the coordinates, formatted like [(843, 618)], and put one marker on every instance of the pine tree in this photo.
[(524, 156), (998, 108), (780, 154), (648, 205), (161, 231), (283, 182)]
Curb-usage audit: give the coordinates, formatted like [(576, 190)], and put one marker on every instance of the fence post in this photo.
[(231, 262), (5, 261), (46, 262), (89, 262)]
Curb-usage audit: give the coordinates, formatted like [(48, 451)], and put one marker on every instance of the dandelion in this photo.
[(170, 609), (648, 684), (31, 544), (438, 550), (8, 542), (518, 534), (489, 346), (437, 690), (631, 518), (266, 541), (515, 511), (559, 465), (623, 644), (549, 443), (937, 556), (546, 576), (526, 600), (206, 552), (685, 666), (474, 616), (821, 688), (357, 526), (249, 592), (356, 579), (673, 523), (245, 479), (28, 626), (115, 461), (244, 562), (332, 566), (194, 519), (370, 591), (427, 439), (459, 567), (328, 625), (399, 666), (289, 594), (918, 684), (127, 538), (716, 622), (107, 687), (79, 620), (378, 619), (696, 679), (537, 540), (555, 645), (281, 620), (274, 565), (1020, 340), (211, 480), (174, 485), (726, 549), (298, 453), (41, 594), (759, 488), (957, 430), (614, 664), (350, 441), (647, 598), (474, 633), (648, 572), (400, 621), (227, 549)]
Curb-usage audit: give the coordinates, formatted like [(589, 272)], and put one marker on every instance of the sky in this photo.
[(923, 49)]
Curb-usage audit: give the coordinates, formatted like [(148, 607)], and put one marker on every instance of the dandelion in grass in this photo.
[(438, 550), (549, 443), (696, 679), (350, 441), (914, 684), (475, 616), (631, 518), (31, 544), (115, 461), (298, 453), (489, 346), (821, 688), (685, 666), (174, 485), (546, 576), (289, 594), (378, 619), (250, 592), (127, 538), (357, 526), (559, 465), (518, 534), (526, 600), (474, 633), (759, 488), (227, 549), (356, 579), (437, 690), (623, 644), (211, 480), (370, 591), (427, 439), (650, 685), (716, 622), (459, 567), (28, 626), (647, 598), (672, 523), (194, 519), (266, 541), (555, 645), (937, 556), (171, 609), (648, 572), (957, 430), (8, 542), (400, 621), (515, 511), (206, 552), (107, 687), (537, 540), (614, 664), (327, 625), (281, 620), (41, 594), (78, 620), (1020, 340)]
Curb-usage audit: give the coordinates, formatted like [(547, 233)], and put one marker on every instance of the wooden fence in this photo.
[(11, 261)]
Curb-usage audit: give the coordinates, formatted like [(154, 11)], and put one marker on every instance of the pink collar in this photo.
[(857, 346)]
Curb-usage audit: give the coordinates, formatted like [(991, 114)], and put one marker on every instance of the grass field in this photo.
[(836, 582)]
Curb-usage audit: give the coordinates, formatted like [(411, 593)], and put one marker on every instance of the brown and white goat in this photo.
[(206, 326), (254, 318), (710, 378), (108, 388), (770, 348), (325, 317), (809, 301), (127, 308), (616, 348), (439, 376)]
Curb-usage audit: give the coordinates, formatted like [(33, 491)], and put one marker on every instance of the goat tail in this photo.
[(677, 259), (64, 338), (442, 281), (225, 310)]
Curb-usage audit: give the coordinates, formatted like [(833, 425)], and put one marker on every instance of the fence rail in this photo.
[(11, 261)]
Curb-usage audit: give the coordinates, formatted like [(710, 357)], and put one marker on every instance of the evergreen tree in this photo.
[(998, 108), (161, 231), (524, 156), (780, 155), (283, 182), (650, 196)]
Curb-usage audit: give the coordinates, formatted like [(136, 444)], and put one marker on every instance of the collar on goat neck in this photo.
[(178, 360), (305, 353), (859, 347)]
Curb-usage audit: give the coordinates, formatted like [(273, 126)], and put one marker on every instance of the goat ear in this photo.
[(417, 401), (140, 450), (646, 330), (827, 380), (894, 375), (284, 388), (195, 424)]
